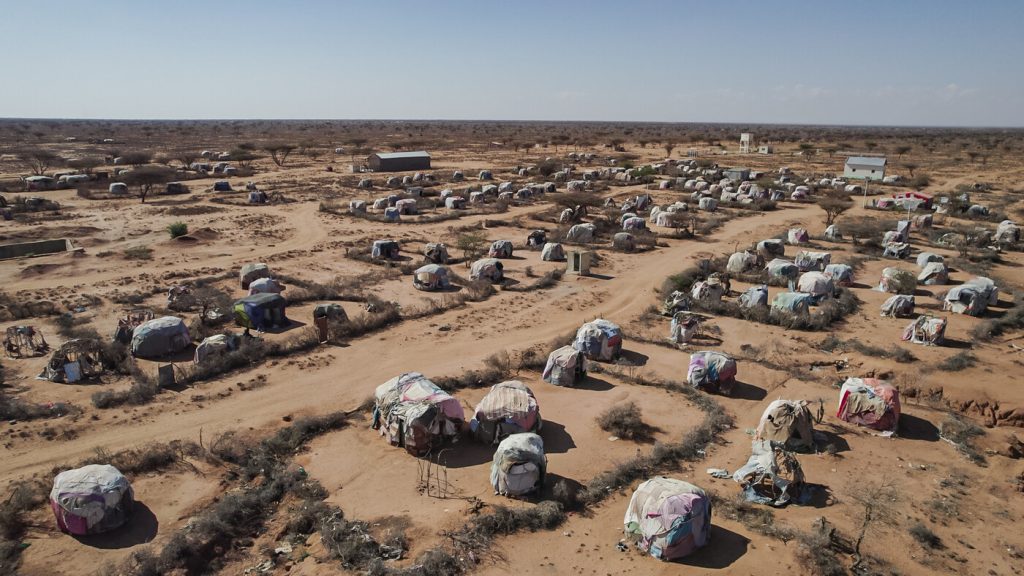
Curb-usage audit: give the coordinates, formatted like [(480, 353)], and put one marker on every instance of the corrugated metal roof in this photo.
[(867, 161), (392, 155)]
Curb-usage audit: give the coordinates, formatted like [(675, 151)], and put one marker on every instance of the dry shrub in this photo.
[(925, 537), (625, 421), (961, 433), (957, 362)]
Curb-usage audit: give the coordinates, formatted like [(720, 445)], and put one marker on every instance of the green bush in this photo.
[(177, 229)]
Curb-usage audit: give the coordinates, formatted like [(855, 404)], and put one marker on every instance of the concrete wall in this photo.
[(34, 248)]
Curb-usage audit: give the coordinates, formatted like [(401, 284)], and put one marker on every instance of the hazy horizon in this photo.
[(873, 64)]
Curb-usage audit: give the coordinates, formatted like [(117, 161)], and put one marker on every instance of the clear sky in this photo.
[(890, 62)]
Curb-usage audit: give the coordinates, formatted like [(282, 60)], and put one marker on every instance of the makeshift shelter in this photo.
[(771, 248), (490, 269), (216, 345), (222, 186), (784, 269), (385, 250), (898, 306), (599, 340), (712, 371), (24, 342), (973, 297), (261, 312), (927, 330), (898, 250), (392, 214), (455, 203), (357, 206), (160, 337), (684, 327), (581, 233), (406, 206), (411, 411), (710, 289), (634, 223), (667, 219), (832, 233), (933, 274), (92, 499), (431, 277), (744, 261), (485, 175), (817, 284), (754, 296), (1007, 233), (771, 476), (707, 204), (792, 302), (624, 241), (330, 311), (436, 252), (788, 422), (798, 236), (841, 274), (808, 261), (500, 249), (265, 286), (75, 360), (519, 465), (668, 518), (565, 365), (895, 278), (252, 272), (536, 238), (924, 258), (508, 408), (552, 252), (871, 403)]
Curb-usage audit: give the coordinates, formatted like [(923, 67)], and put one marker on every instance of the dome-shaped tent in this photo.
[(500, 249), (771, 476), (261, 311), (436, 253), (818, 284), (552, 252), (807, 261), (841, 274), (684, 327), (771, 248), (898, 306), (933, 274), (599, 340), (624, 241), (265, 286), (160, 337), (411, 411), (431, 277), (385, 250), (581, 233), (798, 236), (871, 403), (743, 261), (712, 371), (564, 366), (519, 465), (925, 329), (788, 422), (508, 408), (489, 269), (250, 272), (792, 302), (754, 296), (668, 518), (91, 499)]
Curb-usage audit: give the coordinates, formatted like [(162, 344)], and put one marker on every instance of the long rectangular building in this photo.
[(399, 161)]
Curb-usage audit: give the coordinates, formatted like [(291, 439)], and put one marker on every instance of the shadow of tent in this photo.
[(915, 428), (292, 325), (724, 548), (593, 383), (466, 453), (834, 438), (743, 391), (141, 527), (573, 487), (634, 358), (955, 344), (556, 439), (816, 496)]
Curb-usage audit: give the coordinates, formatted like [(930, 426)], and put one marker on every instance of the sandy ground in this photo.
[(372, 481)]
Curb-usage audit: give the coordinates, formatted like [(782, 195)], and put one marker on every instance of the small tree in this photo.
[(910, 166), (186, 158), (136, 159), (40, 160), (146, 177), (279, 151), (472, 245), (669, 147), (834, 205), (901, 150)]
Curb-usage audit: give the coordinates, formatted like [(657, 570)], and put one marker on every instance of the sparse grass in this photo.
[(138, 253), (13, 408), (957, 362), (961, 433), (1013, 319), (833, 343)]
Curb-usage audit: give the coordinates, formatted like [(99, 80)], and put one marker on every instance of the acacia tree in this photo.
[(40, 160), (243, 157), (279, 151), (834, 205), (901, 150), (146, 177), (186, 157), (669, 147), (911, 167)]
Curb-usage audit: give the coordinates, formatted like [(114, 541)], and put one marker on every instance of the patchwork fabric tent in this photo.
[(832, 233), (536, 238), (754, 296), (771, 476), (773, 247), (519, 465), (925, 257), (75, 360), (411, 411), (668, 518), (431, 277), (215, 345), (898, 250), (779, 268), (684, 327), (893, 277), (744, 261), (634, 223), (552, 252), (710, 289), (500, 249), (624, 241), (712, 371), (841, 274), (972, 297), (455, 202), (933, 274), (898, 306), (708, 204), (817, 261), (818, 284), (265, 286), (581, 233), (160, 337), (330, 310), (798, 236), (490, 269), (406, 206), (871, 403), (92, 499), (789, 423), (509, 408), (927, 330), (261, 311), (251, 272), (1007, 233), (599, 340), (564, 366), (436, 253), (385, 250), (792, 302)]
